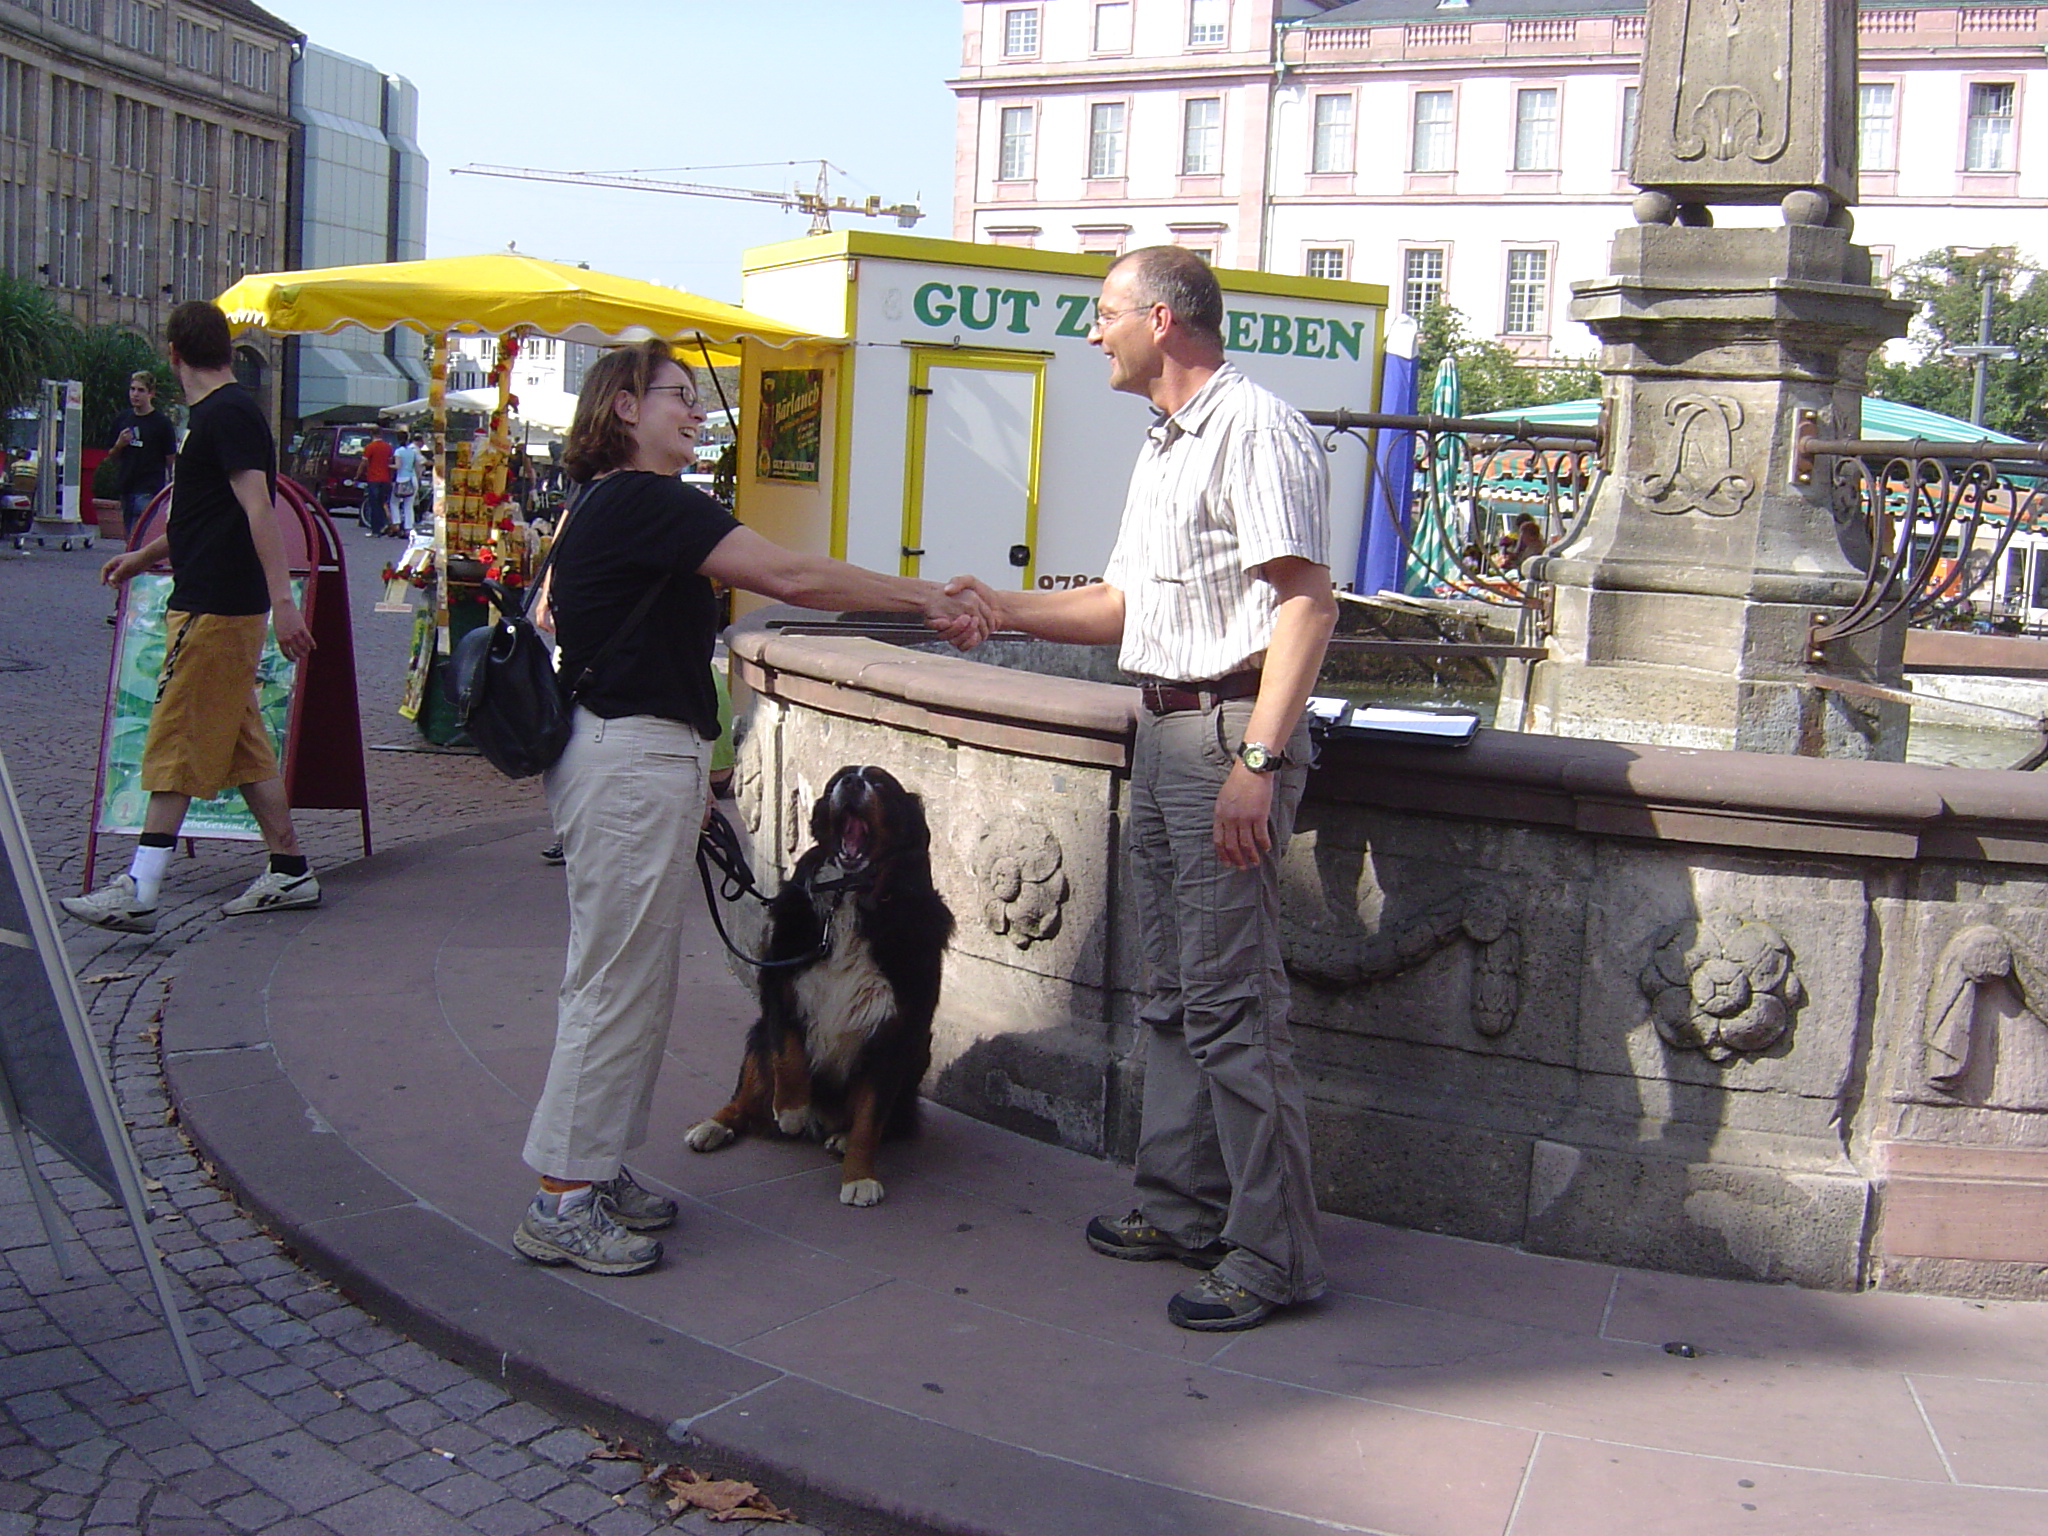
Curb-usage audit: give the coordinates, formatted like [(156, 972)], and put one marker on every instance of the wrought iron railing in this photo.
[(1469, 477), (1937, 520)]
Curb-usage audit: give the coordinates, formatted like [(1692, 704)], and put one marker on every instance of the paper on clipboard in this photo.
[(1341, 720)]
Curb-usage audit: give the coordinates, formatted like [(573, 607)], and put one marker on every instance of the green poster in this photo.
[(141, 658), (792, 424)]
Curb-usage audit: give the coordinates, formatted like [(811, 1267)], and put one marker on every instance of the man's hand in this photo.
[(961, 613), (124, 566), (1243, 806), (293, 637), (126, 439)]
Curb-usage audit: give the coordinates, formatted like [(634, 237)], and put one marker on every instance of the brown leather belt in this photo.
[(1170, 698)]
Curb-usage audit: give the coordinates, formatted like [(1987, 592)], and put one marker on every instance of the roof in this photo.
[(1365, 12), (254, 15)]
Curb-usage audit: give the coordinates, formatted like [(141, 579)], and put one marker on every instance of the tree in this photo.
[(1490, 376), (102, 357), (1948, 285), (35, 336)]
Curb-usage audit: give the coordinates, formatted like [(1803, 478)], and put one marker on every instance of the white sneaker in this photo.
[(113, 906), (272, 892)]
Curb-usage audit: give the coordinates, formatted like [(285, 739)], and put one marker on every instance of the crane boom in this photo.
[(819, 204)]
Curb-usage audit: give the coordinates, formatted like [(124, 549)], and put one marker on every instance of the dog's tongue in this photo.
[(853, 842)]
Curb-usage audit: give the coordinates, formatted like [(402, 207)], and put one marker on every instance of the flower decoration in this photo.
[(1721, 986), (1022, 886)]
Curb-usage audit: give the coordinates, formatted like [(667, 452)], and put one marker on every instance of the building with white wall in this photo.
[(1473, 151)]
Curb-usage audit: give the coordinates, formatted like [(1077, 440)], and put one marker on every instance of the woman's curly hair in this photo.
[(600, 440)]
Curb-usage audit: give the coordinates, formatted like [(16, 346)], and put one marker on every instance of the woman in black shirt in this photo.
[(627, 796)]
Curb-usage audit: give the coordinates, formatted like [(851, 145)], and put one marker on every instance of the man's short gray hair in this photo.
[(1181, 280)]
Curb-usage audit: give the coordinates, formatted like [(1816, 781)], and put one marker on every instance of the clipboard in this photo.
[(1341, 720)]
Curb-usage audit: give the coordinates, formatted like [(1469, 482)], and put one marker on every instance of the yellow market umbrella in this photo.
[(493, 294)]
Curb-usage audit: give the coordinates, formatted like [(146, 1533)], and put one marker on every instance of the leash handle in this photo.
[(719, 844)]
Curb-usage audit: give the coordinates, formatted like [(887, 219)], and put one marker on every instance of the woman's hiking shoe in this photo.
[(587, 1236), (113, 906), (634, 1208), (272, 892), (1215, 1305), (1133, 1237)]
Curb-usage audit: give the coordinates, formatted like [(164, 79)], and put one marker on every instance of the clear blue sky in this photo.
[(610, 85)]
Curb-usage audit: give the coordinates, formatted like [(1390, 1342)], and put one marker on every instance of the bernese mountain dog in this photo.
[(856, 939)]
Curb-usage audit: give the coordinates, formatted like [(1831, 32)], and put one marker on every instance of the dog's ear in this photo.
[(917, 832), (821, 808)]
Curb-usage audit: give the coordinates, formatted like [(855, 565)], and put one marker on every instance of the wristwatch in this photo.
[(1260, 758)]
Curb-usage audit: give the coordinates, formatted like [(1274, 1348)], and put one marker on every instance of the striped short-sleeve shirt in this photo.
[(1232, 479)]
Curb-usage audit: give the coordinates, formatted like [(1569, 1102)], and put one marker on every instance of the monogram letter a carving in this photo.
[(1699, 475)]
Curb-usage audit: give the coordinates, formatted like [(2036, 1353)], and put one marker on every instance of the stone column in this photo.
[(1685, 598)]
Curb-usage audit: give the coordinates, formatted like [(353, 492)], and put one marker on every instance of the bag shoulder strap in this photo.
[(632, 620)]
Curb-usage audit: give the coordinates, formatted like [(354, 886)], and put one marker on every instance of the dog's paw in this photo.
[(836, 1145), (796, 1122), (861, 1192), (707, 1136)]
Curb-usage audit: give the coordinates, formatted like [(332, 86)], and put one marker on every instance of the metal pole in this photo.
[(1983, 358)]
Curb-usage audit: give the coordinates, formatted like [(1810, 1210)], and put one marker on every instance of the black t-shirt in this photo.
[(632, 529), (139, 468), (213, 556)]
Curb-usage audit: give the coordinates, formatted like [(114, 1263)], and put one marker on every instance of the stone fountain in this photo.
[(1688, 975)]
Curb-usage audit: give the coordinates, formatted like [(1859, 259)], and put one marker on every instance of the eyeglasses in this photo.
[(1105, 318), (683, 392)]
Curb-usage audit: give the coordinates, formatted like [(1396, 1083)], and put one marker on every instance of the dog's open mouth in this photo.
[(856, 844)]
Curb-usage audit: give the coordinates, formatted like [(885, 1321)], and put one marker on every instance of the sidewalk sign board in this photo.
[(53, 1086)]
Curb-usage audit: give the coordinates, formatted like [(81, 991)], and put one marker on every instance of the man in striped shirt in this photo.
[(1219, 592)]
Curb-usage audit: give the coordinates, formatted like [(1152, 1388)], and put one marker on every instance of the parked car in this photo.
[(328, 462)]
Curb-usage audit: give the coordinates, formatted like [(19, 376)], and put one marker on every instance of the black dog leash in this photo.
[(718, 844)]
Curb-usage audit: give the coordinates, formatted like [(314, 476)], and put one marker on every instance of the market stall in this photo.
[(480, 531)]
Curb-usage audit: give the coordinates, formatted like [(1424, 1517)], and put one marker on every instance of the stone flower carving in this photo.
[(1722, 986), (1018, 867)]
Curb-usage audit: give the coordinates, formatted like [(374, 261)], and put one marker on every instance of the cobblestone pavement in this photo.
[(316, 1418)]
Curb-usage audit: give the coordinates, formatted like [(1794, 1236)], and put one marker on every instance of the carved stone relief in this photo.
[(1978, 955), (1017, 865), (1479, 916), (1722, 985), (1699, 474), (1734, 81)]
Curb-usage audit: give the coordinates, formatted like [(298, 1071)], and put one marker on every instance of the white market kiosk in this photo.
[(963, 424)]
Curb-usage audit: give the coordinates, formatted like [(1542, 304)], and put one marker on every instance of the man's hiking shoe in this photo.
[(587, 1235), (634, 1208), (272, 892), (552, 854), (1133, 1237), (1215, 1305), (113, 906)]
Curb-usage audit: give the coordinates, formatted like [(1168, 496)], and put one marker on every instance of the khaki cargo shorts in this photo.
[(206, 733)]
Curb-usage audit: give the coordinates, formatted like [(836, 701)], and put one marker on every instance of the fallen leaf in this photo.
[(615, 1450), (720, 1498)]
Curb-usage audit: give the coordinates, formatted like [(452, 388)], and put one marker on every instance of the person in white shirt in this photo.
[(1219, 592), (405, 482)]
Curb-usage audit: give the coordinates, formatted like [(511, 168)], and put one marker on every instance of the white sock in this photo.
[(562, 1202), (146, 869)]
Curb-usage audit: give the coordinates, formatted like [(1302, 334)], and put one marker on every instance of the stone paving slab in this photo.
[(956, 1360)]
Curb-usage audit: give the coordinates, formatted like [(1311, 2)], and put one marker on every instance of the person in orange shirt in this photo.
[(377, 486)]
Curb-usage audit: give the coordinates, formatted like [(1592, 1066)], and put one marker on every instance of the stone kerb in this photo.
[(1643, 1005)]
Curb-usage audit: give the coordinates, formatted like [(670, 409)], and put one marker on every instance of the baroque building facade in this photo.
[(1473, 152)]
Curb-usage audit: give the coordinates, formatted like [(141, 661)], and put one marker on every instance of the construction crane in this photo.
[(820, 204)]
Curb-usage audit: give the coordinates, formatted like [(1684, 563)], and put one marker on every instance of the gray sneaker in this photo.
[(587, 1236), (1214, 1305), (634, 1208), (113, 906), (1133, 1237), (272, 892)]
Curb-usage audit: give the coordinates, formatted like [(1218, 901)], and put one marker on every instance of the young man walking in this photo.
[(145, 446), (230, 586), (1219, 591)]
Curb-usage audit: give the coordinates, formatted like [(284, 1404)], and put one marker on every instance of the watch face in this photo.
[(1257, 757)]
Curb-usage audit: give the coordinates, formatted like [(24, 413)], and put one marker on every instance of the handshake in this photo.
[(964, 612)]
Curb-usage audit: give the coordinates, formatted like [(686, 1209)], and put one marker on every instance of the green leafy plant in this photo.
[(35, 336), (1490, 376), (102, 357), (1948, 285)]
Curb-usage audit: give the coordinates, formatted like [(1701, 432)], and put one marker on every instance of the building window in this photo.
[(191, 272), (1536, 129), (1014, 161), (1876, 139), (137, 26), (1201, 136), (252, 166), (1988, 146), (1020, 33), (1324, 261), (74, 118), (1431, 146), (245, 253), (1022, 238), (65, 245), (195, 47), (1333, 134), (17, 100), (1208, 23), (1422, 279), (1106, 139), (17, 229), (1527, 310), (136, 132), (1112, 32), (195, 144), (1631, 114), (250, 64), (128, 253), (1102, 239), (84, 15)]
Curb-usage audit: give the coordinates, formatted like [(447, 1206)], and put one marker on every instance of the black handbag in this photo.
[(501, 679)]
